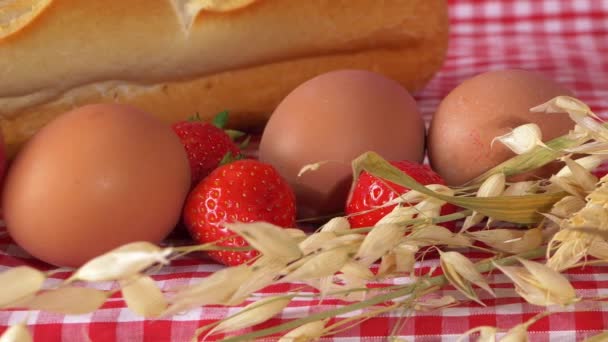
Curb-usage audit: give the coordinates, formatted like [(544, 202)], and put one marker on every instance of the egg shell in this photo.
[(95, 178), (486, 106), (336, 117)]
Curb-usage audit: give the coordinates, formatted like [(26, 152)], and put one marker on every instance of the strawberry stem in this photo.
[(229, 157), (234, 134), (195, 117), (243, 145)]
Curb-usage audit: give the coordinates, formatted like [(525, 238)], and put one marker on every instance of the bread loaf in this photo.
[(174, 58)]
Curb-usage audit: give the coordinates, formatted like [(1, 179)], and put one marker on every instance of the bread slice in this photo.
[(176, 58)]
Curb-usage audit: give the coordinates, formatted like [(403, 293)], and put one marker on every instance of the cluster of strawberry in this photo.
[(226, 187)]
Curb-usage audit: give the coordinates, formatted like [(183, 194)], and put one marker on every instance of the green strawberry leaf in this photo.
[(220, 120)]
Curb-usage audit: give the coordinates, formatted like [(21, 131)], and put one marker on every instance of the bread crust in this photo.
[(245, 60)]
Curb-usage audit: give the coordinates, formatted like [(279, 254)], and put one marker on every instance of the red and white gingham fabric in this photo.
[(566, 40)]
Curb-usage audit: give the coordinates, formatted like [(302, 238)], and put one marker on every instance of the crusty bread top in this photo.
[(70, 43)]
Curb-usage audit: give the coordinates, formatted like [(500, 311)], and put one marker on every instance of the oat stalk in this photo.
[(406, 290)]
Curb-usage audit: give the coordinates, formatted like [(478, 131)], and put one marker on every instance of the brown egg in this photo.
[(482, 108), (336, 117), (93, 179)]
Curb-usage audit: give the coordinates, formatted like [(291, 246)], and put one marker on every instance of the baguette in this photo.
[(174, 58)]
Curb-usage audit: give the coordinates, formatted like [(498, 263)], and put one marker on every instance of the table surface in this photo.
[(565, 40)]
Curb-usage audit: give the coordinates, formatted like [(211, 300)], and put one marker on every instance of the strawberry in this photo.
[(206, 144), (245, 190), (370, 192)]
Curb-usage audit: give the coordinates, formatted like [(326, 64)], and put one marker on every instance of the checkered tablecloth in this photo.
[(566, 40)]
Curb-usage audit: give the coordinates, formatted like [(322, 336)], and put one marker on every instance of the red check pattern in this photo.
[(566, 40)]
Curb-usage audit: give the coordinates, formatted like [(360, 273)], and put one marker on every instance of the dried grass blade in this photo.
[(510, 240), (592, 126), (307, 332), (216, 288), (268, 239), (599, 249), (252, 314), (414, 196), (493, 186), (568, 185), (435, 303), (599, 195), (398, 215), (460, 284), (579, 174), (496, 236), (588, 163), (69, 300), (520, 209), (562, 104), (356, 270), (320, 265), (596, 147), (574, 107), (534, 159), (122, 262), (567, 255), (325, 286), (433, 235), (531, 284), (405, 257), (296, 234), (601, 337), (19, 283), (315, 241), (430, 207), (263, 273), (143, 296), (472, 220), (388, 265), (593, 216), (522, 139), (378, 242), (520, 188), (521, 278), (554, 282), (16, 333), (350, 291), (579, 112), (348, 240), (567, 206), (553, 219), (465, 268), (311, 167), (336, 224), (573, 246), (520, 332)]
